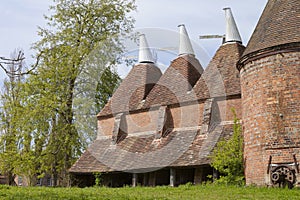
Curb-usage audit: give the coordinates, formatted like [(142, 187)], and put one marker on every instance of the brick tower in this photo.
[(270, 84)]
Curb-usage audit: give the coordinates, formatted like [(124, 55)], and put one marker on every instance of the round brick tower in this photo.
[(270, 84)]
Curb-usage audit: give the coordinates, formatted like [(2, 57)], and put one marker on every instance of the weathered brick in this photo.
[(268, 113)]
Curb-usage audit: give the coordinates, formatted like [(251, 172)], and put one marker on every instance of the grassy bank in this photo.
[(182, 192)]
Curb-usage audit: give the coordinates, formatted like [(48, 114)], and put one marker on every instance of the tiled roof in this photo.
[(142, 152), (279, 24), (221, 78), (87, 163), (133, 89), (177, 80)]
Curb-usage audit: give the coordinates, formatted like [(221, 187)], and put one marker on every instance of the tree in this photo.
[(10, 113), (77, 34), (11, 65), (94, 86), (227, 157), (81, 44), (105, 87)]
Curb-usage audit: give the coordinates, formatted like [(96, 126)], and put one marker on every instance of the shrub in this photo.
[(227, 157), (98, 178)]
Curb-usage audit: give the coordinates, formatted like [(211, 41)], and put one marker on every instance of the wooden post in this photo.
[(152, 179), (198, 175), (146, 179), (296, 163), (269, 164), (172, 177), (134, 179)]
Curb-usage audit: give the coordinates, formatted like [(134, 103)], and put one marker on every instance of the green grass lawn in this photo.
[(183, 192)]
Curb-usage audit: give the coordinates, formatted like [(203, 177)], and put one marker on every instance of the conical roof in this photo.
[(136, 86), (221, 78), (133, 89), (278, 25), (177, 80)]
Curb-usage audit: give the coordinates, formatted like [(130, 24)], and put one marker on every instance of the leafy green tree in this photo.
[(98, 178), (77, 29), (94, 86), (91, 95), (105, 87), (227, 157), (10, 142), (83, 38)]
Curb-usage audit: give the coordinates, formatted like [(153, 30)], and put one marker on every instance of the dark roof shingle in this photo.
[(279, 24)]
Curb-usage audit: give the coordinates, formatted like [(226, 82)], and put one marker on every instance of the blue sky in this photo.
[(20, 18)]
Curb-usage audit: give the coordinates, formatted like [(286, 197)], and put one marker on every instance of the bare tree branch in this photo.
[(17, 62)]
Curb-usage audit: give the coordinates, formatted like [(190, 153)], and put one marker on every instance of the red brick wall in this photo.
[(142, 122), (271, 112), (187, 116), (183, 116), (225, 107), (105, 127)]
